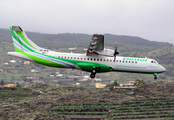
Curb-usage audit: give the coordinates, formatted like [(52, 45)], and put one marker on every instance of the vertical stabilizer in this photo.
[(21, 41)]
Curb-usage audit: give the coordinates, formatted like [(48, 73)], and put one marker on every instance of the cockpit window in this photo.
[(154, 61)]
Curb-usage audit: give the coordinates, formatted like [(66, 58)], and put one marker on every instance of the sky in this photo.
[(148, 19)]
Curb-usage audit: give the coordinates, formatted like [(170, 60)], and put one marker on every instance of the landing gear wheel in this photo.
[(92, 75), (155, 77), (94, 71)]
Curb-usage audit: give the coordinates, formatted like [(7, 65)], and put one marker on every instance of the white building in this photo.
[(12, 61), (97, 79), (77, 84), (59, 75), (72, 48), (6, 63), (86, 77)]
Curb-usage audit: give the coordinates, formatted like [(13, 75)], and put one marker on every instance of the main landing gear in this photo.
[(155, 75), (93, 72)]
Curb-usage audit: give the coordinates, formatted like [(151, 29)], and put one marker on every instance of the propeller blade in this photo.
[(115, 53)]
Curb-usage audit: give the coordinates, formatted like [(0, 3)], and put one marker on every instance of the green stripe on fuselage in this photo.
[(42, 60), (86, 66)]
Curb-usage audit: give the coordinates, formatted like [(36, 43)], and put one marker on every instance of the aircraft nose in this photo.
[(163, 68)]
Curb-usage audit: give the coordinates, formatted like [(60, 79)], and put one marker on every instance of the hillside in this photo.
[(84, 39), (127, 46), (164, 56), (154, 101)]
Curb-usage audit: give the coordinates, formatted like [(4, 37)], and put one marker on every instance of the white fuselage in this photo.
[(121, 64)]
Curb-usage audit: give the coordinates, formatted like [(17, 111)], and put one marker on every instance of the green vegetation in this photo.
[(81, 109), (145, 108), (11, 95), (52, 102), (113, 84)]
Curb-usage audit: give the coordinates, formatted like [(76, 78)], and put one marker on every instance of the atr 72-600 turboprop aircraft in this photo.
[(96, 60)]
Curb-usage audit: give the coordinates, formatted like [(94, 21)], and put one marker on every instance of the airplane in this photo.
[(96, 60)]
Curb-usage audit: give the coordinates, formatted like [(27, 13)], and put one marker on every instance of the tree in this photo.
[(139, 82), (2, 82), (17, 84), (75, 79), (113, 84)]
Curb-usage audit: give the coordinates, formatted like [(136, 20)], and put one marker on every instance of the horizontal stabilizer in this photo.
[(17, 28)]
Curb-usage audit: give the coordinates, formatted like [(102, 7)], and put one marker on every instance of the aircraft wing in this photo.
[(96, 47)]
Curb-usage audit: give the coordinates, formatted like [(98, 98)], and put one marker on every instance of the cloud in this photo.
[(150, 19)]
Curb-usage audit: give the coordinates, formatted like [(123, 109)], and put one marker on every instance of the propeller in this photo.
[(115, 53)]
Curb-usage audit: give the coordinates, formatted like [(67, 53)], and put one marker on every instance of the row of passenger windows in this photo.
[(94, 59)]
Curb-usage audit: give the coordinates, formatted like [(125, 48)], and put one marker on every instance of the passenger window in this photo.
[(62, 57), (154, 62), (135, 61), (123, 61), (120, 60), (110, 60), (97, 59), (68, 57), (71, 57), (91, 58), (77, 58), (81, 58), (151, 61), (84, 58), (100, 59), (74, 57), (103, 59), (117, 60), (58, 56), (88, 58), (126, 61), (65, 57), (94, 59), (132, 61)]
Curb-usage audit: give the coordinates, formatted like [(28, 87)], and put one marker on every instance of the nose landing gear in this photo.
[(155, 75)]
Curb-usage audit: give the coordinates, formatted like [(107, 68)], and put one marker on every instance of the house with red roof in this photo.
[(131, 82)]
